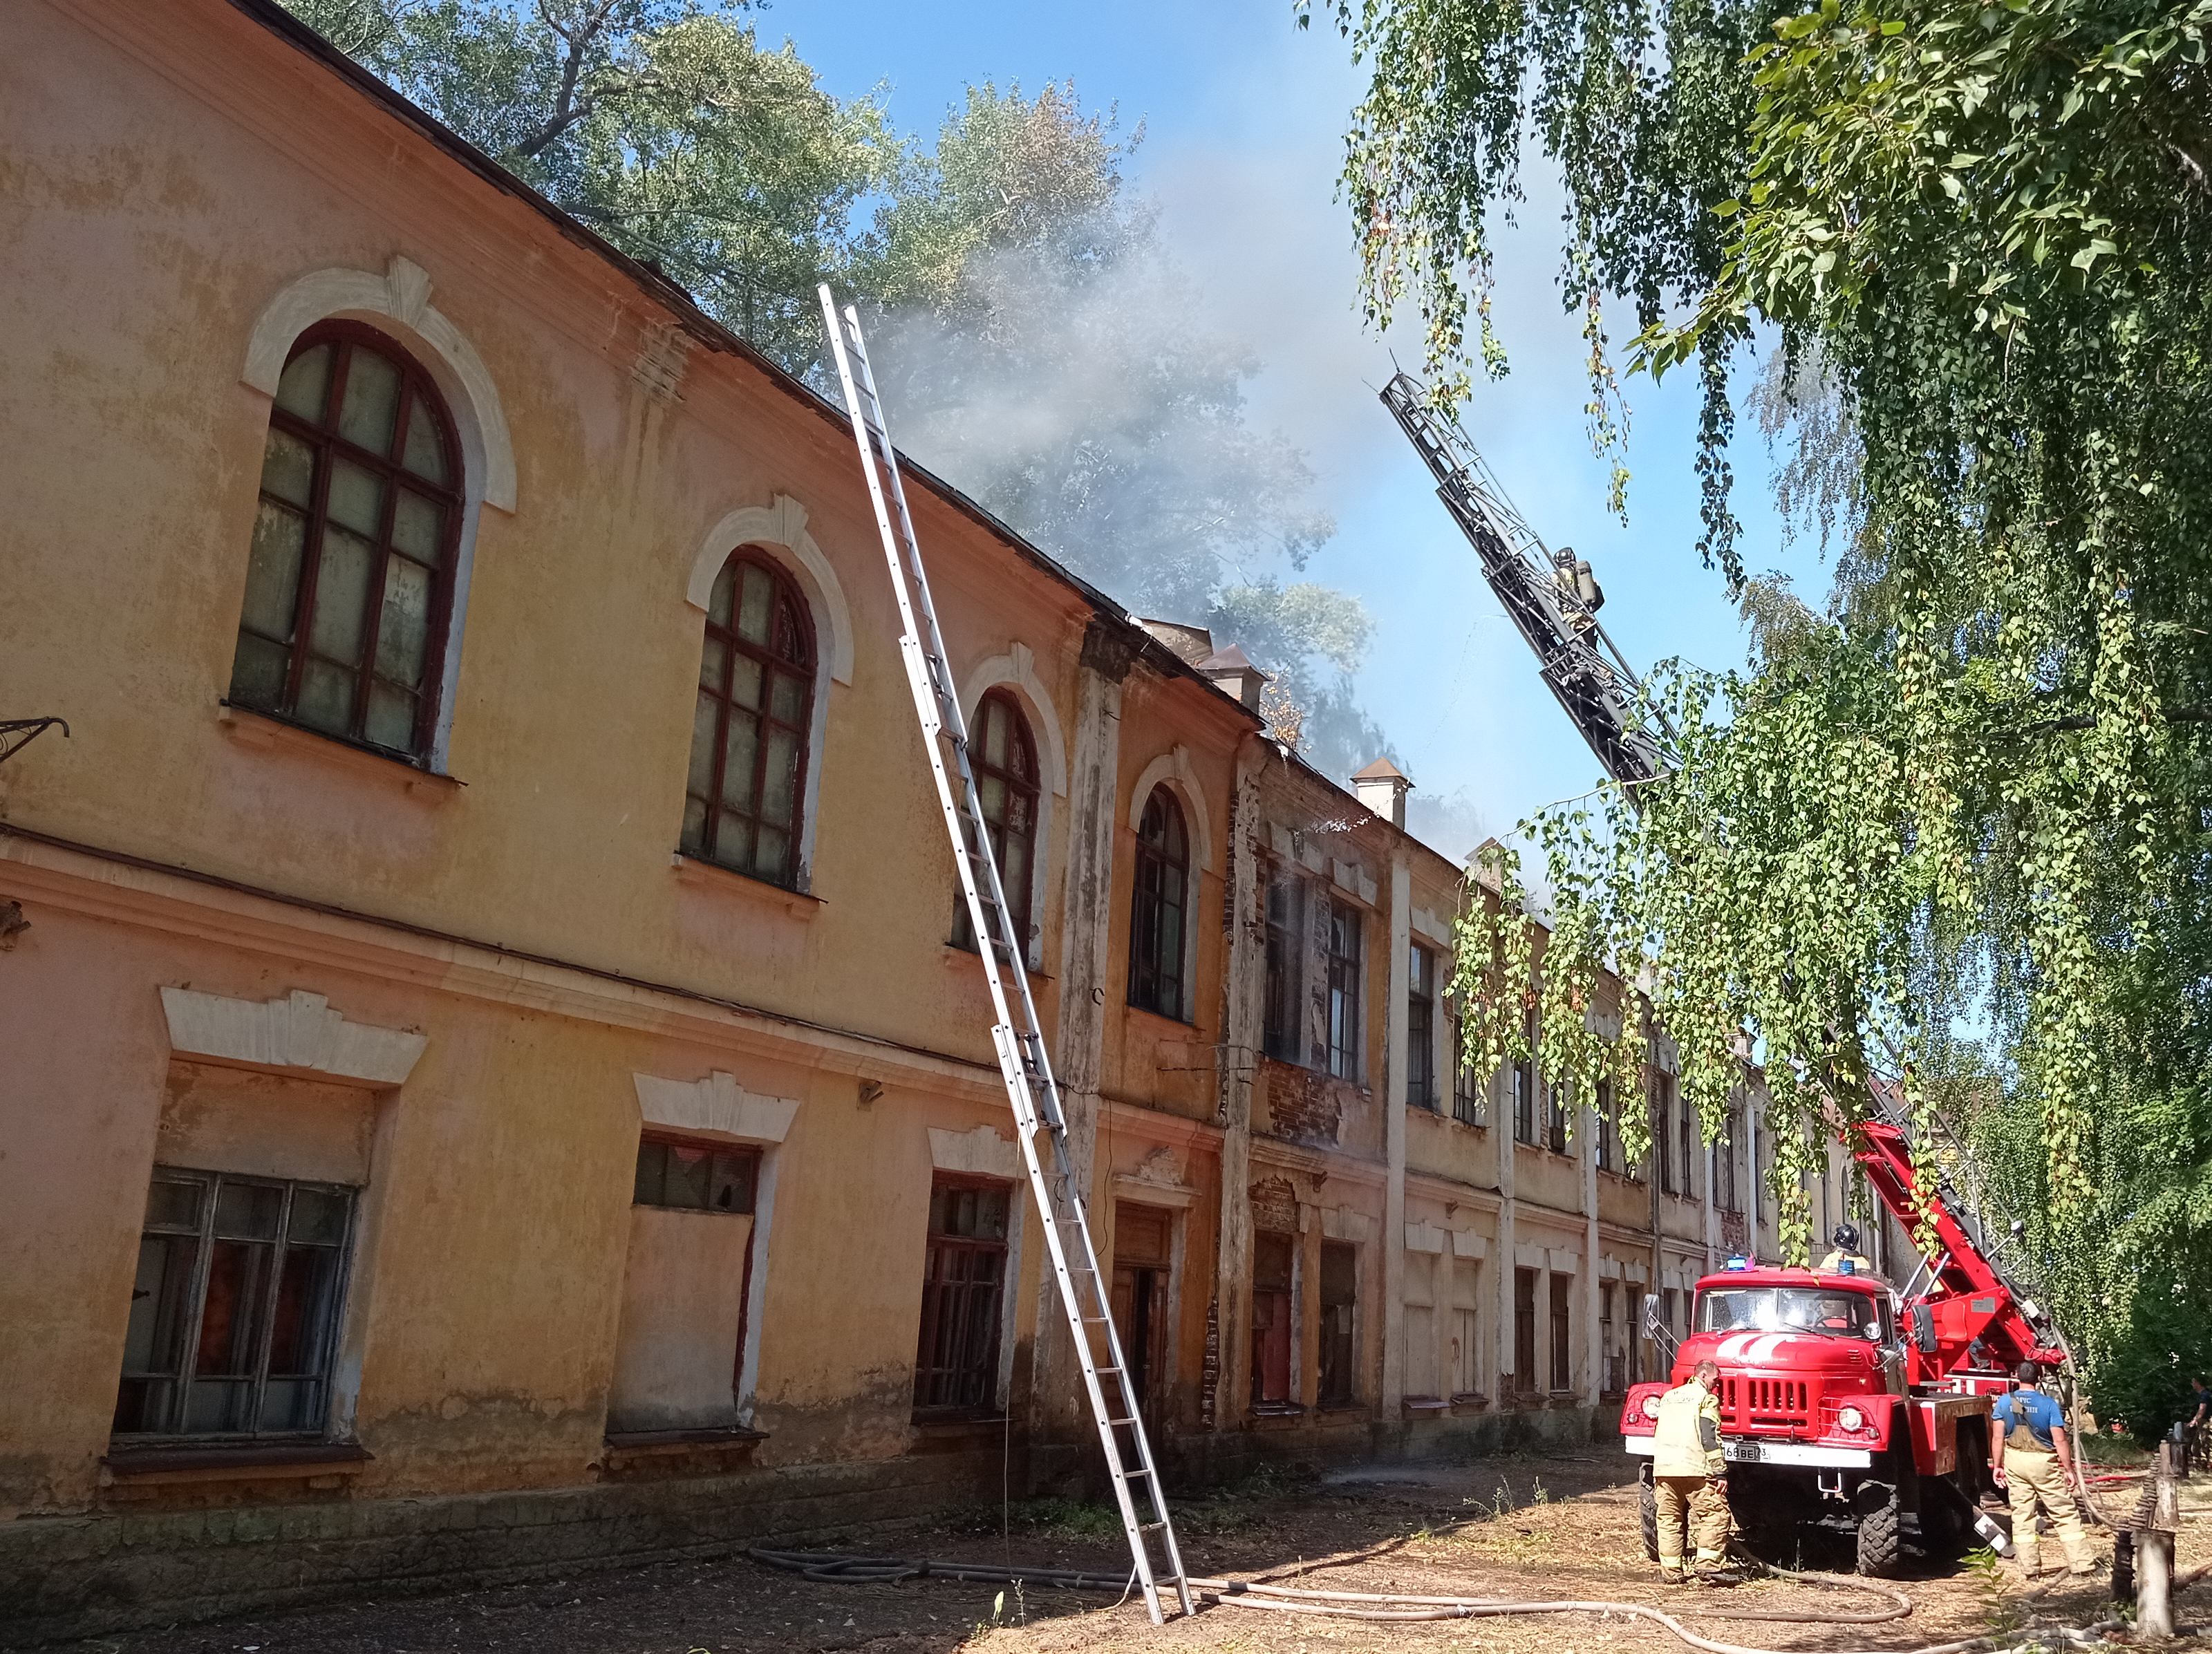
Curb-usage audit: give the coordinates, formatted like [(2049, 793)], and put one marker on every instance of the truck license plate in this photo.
[(1744, 1452)]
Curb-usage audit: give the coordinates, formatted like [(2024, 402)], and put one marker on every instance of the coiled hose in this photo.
[(1374, 1606)]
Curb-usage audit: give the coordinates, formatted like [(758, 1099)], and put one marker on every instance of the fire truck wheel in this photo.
[(1647, 1505), (1881, 1529)]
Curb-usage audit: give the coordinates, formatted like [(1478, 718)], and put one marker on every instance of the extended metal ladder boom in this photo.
[(1015, 1032), (1552, 601)]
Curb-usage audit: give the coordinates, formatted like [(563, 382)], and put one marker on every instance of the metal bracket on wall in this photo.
[(16, 734)]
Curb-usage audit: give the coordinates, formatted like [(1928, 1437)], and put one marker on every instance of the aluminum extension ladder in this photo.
[(1022, 1061)]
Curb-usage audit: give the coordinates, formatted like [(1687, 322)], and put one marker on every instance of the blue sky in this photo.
[(1243, 114)]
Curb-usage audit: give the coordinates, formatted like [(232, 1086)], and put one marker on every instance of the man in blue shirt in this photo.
[(2032, 1459)]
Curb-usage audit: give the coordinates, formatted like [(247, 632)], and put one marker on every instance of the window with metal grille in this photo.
[(1339, 1355), (1003, 754), (234, 1309), (349, 576), (956, 1364), (1563, 1356), (686, 1175), (1282, 1031), (1420, 1028), (1343, 990), (1157, 906), (746, 787), (1467, 1099), (1524, 1331)]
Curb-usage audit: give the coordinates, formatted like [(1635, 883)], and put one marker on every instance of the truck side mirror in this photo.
[(1652, 1327), (1924, 1328)]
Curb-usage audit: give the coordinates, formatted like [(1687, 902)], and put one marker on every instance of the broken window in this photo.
[(350, 572), (1282, 1028), (750, 725), (1662, 1126), (1272, 1278), (1340, 1357), (1524, 1331), (1563, 1358), (1003, 755), (1420, 1028), (1614, 1378), (1160, 899), (956, 1364), (234, 1309), (688, 1176), (1344, 984)]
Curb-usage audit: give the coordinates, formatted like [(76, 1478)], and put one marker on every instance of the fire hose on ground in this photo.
[(1384, 1607)]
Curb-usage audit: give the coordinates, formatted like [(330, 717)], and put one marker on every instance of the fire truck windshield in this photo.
[(1788, 1310)]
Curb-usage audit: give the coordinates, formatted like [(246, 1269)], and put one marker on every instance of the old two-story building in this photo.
[(494, 1078)]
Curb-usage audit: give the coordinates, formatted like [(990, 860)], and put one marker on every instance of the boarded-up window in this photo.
[(234, 1309), (1467, 1326), (1421, 1324), (956, 1364), (1142, 1238), (1272, 1275), (1339, 1364), (684, 1286)]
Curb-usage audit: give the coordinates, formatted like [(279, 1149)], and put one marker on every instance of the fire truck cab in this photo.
[(1818, 1421)]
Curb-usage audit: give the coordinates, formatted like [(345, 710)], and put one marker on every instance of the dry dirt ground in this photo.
[(1519, 1528)]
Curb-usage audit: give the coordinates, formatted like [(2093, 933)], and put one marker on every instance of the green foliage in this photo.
[(663, 124), (1975, 786)]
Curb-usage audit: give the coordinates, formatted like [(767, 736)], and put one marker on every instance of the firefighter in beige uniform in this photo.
[(2029, 1458), (1688, 1472)]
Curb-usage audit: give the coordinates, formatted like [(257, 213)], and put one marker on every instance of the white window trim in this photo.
[(397, 304), (720, 1109), (780, 530)]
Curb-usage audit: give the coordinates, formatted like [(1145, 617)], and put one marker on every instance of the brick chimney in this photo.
[(1382, 787)]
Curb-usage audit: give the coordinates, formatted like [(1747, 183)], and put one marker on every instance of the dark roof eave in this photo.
[(709, 331)]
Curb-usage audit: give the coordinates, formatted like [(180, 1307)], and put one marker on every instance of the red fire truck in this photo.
[(1846, 1403)]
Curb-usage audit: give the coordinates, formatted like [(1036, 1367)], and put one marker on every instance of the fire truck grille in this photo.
[(1766, 1401)]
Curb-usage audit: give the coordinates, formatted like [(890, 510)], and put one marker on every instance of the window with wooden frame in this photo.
[(1614, 1379), (1282, 1028), (1609, 1130), (1420, 1028), (1724, 1196), (349, 576), (1273, 1275), (1662, 1127), (1563, 1348), (234, 1318), (1344, 972), (1340, 1349), (1158, 906), (956, 1364), (1686, 1119), (1524, 1331), (746, 788), (685, 1176), (1003, 754)]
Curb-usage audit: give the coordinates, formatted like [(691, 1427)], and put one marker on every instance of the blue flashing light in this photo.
[(1739, 1263)]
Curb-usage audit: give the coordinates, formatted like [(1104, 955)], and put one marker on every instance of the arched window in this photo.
[(350, 581), (1156, 909), (749, 735), (1003, 754)]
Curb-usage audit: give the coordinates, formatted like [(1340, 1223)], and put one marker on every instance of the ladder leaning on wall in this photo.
[(1022, 1062)]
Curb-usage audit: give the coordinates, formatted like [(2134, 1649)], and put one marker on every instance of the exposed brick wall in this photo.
[(1305, 1105)]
